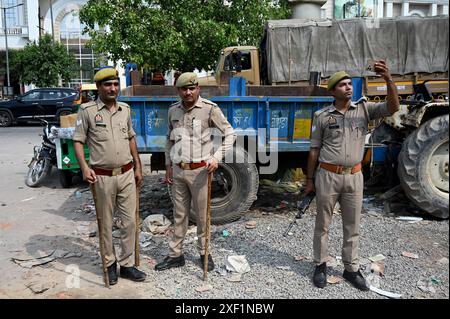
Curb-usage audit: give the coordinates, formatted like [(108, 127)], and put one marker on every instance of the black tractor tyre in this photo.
[(423, 166), (234, 189), (65, 178), (5, 119)]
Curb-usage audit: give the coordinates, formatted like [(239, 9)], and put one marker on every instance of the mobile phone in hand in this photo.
[(370, 66)]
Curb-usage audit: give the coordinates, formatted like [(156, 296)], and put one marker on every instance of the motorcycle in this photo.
[(44, 157)]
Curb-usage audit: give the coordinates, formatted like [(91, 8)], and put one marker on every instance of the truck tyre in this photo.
[(423, 166), (65, 178), (233, 191)]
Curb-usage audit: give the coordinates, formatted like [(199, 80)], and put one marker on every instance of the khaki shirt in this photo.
[(106, 134), (193, 133), (341, 137)]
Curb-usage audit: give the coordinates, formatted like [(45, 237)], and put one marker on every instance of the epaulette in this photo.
[(317, 113), (363, 99), (123, 104), (176, 104), (209, 102), (88, 104)]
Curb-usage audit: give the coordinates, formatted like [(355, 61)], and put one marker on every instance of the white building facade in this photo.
[(18, 19), (26, 20), (341, 9)]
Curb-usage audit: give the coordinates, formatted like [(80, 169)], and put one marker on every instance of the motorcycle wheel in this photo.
[(37, 172)]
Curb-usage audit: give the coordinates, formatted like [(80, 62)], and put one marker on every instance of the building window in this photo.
[(416, 13), (71, 36), (347, 9), (13, 14)]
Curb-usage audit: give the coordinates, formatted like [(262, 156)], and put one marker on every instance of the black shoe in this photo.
[(210, 262), (320, 276), (112, 274), (170, 262), (356, 279), (132, 273)]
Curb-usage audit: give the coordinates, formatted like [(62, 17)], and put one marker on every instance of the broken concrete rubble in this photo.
[(237, 264), (156, 224)]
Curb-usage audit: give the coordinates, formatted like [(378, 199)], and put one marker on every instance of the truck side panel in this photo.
[(250, 116)]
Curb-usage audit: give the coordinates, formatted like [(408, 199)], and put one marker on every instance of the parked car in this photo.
[(43, 102)]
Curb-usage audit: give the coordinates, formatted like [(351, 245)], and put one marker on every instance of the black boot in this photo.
[(210, 262), (170, 262), (132, 273), (320, 276), (112, 274), (356, 279)]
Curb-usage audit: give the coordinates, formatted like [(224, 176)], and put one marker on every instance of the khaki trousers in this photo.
[(189, 190), (118, 192), (347, 189)]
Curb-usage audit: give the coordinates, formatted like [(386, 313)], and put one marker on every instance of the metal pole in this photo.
[(6, 46), (6, 40), (51, 18)]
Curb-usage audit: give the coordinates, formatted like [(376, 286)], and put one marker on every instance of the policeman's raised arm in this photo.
[(393, 103)]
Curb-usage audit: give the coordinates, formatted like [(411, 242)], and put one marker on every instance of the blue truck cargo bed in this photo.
[(249, 116)]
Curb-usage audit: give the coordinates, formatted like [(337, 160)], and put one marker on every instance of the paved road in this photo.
[(35, 220)]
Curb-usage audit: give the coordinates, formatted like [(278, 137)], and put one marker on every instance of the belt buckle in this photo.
[(347, 170), (116, 171), (185, 165)]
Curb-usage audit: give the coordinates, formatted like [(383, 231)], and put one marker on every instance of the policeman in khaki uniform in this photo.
[(337, 147), (114, 167), (189, 159)]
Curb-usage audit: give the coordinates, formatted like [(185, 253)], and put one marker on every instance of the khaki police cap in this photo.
[(336, 78), (105, 74), (187, 79)]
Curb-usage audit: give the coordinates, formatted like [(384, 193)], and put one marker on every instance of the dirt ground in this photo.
[(53, 227), (35, 222)]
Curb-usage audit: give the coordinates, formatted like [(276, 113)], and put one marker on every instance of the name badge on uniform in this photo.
[(196, 123), (99, 120), (332, 123)]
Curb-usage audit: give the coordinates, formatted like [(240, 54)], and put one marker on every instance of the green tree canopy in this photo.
[(13, 75), (43, 63), (176, 34)]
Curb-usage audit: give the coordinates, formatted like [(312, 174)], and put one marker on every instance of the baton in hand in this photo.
[(208, 223), (100, 237), (138, 230)]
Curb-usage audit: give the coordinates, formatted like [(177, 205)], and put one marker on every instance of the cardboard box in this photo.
[(68, 120)]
